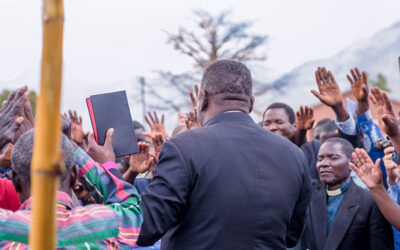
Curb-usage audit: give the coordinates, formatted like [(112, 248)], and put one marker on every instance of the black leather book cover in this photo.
[(111, 110)]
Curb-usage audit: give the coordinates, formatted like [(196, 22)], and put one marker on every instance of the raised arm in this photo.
[(329, 93), (387, 120), (359, 89), (111, 191), (370, 173), (304, 121)]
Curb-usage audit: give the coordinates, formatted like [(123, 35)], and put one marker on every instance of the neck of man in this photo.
[(214, 111), (338, 185)]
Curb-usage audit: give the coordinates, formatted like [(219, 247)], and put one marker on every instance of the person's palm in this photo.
[(330, 95), (359, 90), (156, 125), (387, 119), (368, 172), (141, 162), (77, 133), (371, 176), (305, 118), (138, 162)]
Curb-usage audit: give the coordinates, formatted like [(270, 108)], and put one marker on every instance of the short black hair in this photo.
[(229, 79), (137, 125), (322, 122), (346, 146), (22, 156), (329, 126), (279, 105)]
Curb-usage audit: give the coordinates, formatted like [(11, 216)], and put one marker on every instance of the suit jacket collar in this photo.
[(344, 217), (319, 217), (229, 116)]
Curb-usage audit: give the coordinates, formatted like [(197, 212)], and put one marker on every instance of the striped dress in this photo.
[(113, 223)]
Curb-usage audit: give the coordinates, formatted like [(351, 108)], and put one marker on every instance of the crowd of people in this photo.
[(220, 180)]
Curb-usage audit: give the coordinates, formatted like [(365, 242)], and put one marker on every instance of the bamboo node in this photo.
[(48, 19)]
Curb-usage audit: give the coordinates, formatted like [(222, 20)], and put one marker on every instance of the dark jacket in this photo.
[(229, 185), (358, 223)]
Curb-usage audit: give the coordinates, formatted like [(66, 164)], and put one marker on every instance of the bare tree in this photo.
[(215, 37)]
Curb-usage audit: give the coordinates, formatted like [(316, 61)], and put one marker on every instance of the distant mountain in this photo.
[(377, 54)]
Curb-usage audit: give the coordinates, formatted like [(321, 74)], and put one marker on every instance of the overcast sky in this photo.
[(112, 42)]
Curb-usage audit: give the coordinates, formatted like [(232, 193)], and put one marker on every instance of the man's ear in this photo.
[(294, 124), (73, 176), (251, 106), (204, 100), (16, 182)]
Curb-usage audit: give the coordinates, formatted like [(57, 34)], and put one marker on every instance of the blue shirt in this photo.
[(394, 194), (334, 203)]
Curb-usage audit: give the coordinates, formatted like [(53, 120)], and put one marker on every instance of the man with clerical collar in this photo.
[(341, 214)]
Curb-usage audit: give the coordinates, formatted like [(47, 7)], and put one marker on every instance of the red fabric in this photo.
[(9, 198)]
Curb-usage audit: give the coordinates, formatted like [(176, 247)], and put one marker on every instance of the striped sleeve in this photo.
[(117, 194)]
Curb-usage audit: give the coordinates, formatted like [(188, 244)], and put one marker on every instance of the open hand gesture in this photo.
[(387, 119), (193, 121), (158, 141), (156, 125), (305, 118), (142, 161), (329, 92), (359, 86), (77, 134), (13, 115), (5, 157), (392, 169), (368, 172)]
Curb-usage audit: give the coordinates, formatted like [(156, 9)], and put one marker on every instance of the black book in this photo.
[(111, 110)]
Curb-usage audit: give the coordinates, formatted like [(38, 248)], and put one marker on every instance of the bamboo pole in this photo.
[(46, 151)]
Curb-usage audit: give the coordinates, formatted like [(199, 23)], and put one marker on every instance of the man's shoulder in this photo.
[(362, 196)]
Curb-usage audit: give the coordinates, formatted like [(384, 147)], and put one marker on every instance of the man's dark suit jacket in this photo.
[(229, 185), (358, 223)]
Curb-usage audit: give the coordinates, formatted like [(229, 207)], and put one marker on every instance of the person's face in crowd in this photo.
[(333, 165), (277, 121), (139, 135), (325, 135)]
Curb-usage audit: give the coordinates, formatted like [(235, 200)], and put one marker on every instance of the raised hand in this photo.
[(141, 162), (104, 153), (359, 86), (156, 125), (8, 132), (193, 122), (193, 98), (12, 116), (392, 169), (158, 141), (329, 92), (193, 119), (13, 105), (5, 157), (368, 172), (387, 120), (305, 118), (77, 134)]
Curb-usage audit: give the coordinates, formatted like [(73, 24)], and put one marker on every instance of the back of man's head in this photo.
[(227, 79), (22, 156)]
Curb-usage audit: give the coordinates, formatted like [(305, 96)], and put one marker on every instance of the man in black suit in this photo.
[(230, 184), (343, 215)]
